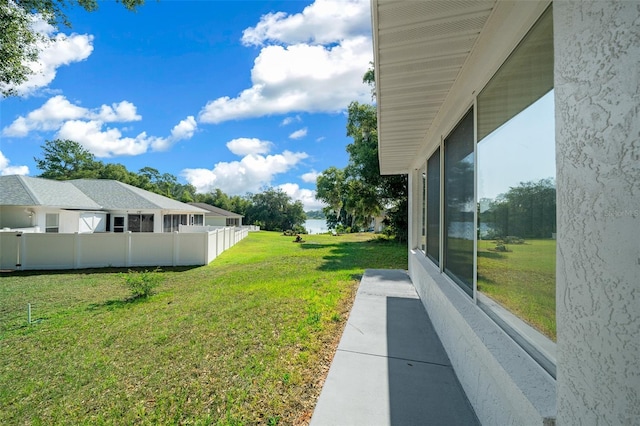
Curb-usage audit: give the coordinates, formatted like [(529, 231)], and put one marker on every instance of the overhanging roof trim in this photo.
[(496, 26)]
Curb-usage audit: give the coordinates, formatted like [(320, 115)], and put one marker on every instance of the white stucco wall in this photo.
[(597, 81), (215, 221)]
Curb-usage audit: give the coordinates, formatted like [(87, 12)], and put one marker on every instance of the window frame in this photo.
[(538, 346), (142, 224), (467, 284), (52, 228)]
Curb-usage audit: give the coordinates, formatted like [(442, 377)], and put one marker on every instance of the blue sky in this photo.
[(236, 95)]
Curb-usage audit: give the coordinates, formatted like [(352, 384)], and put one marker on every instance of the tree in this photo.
[(364, 163), (19, 41), (119, 172), (330, 189), (165, 184), (527, 211), (274, 211), (66, 159)]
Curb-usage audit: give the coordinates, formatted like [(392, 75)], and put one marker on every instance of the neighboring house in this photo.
[(34, 204), (215, 216), (460, 87)]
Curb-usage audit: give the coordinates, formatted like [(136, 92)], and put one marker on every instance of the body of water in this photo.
[(316, 226)]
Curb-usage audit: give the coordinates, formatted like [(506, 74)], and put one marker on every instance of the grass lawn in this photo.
[(523, 280), (247, 339)]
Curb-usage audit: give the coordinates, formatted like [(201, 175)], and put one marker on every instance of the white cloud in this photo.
[(310, 177), (248, 146), (247, 175), (184, 130), (6, 169), (49, 116), (104, 143), (121, 112), (298, 134), (300, 74), (289, 120), (306, 196), (320, 139), (88, 127), (57, 110), (323, 22), (61, 50)]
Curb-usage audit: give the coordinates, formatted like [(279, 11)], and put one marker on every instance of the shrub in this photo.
[(299, 229), (142, 284)]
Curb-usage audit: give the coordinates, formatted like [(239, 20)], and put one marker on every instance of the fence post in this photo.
[(176, 247), (24, 253), (127, 252), (77, 249), (18, 250), (207, 237)]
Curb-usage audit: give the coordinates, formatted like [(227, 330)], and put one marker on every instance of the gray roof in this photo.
[(84, 194), (215, 211), (114, 195), (29, 191)]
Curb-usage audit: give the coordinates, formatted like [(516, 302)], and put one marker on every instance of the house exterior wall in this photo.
[(597, 87), (597, 79), (68, 220), (503, 383), (215, 221)]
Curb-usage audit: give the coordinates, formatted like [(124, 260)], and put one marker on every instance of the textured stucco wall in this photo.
[(597, 82)]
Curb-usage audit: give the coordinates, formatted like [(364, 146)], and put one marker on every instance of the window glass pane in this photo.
[(133, 222), (118, 224), (423, 205), (516, 192), (198, 219), (521, 80), (166, 223), (433, 206), (52, 222), (459, 203), (147, 223)]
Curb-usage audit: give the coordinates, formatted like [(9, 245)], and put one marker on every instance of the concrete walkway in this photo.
[(390, 367)]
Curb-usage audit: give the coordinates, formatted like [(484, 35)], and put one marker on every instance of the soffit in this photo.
[(420, 48)]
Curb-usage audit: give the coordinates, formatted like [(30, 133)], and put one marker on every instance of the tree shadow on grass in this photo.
[(116, 303), (310, 246), (358, 255), (491, 255)]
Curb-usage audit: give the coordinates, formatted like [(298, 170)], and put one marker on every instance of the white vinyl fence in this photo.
[(23, 251)]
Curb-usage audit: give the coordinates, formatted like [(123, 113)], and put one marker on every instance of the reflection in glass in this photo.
[(516, 181), (459, 205), (423, 202), (433, 206), (517, 215)]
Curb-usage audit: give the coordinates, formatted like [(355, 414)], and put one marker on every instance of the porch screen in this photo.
[(433, 206), (459, 205), (140, 222)]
